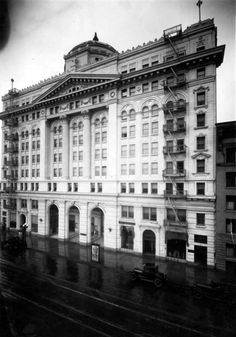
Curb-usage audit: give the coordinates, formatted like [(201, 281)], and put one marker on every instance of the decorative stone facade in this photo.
[(120, 149)]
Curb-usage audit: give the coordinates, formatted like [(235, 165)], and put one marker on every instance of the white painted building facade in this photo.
[(120, 148)]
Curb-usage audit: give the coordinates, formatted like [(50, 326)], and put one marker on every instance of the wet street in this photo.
[(54, 289)]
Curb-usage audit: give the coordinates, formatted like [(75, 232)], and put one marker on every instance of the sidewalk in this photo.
[(180, 273)]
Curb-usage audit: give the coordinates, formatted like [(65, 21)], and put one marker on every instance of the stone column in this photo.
[(65, 149), (86, 146)]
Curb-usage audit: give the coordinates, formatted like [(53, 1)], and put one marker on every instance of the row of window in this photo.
[(126, 92), (34, 203), (34, 173), (146, 113), (147, 149), (147, 129), (146, 188), (147, 168)]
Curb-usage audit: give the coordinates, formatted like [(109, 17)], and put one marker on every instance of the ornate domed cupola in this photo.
[(86, 53)]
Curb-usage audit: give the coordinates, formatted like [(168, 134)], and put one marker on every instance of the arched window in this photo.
[(104, 121), (123, 115), (145, 112), (74, 126), (170, 105), (97, 122), (81, 125), (132, 115), (181, 103), (154, 110)]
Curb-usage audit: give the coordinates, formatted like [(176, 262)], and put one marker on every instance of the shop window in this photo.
[(127, 237)]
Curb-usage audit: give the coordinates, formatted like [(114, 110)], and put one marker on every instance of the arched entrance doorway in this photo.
[(97, 225), (74, 218), (149, 242), (22, 219), (53, 220)]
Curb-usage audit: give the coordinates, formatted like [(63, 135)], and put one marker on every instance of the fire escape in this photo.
[(10, 165), (175, 150)]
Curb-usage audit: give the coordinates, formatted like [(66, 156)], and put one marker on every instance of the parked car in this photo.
[(149, 273), (215, 291)]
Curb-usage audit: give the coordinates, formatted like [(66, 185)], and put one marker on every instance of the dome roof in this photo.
[(92, 45)]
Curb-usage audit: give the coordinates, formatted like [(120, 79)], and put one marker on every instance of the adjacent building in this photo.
[(226, 196), (119, 149)]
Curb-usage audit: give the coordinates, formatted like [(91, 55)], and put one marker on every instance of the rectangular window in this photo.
[(49, 186), (201, 120), (145, 129), (54, 158), (127, 212), (201, 48), (201, 143), (104, 171), (201, 73), (60, 157), (74, 171), (132, 67), (149, 213), (60, 172), (145, 63), (124, 70), (37, 172), (153, 188), (92, 187), (80, 155), (230, 179), (230, 250), (132, 169), (104, 153), (23, 203), (132, 131), (200, 188), (54, 172), (75, 140), (231, 202), (201, 98), (69, 187), (132, 91), (75, 187), (154, 168), (54, 187), (97, 137), (123, 188), (154, 85), (124, 93), (99, 187), (80, 171), (123, 169), (38, 158), (38, 144), (124, 132), (124, 151), (200, 165), (145, 148), (200, 219), (154, 60), (81, 140), (132, 150), (131, 188), (71, 105), (144, 168), (104, 136), (97, 154), (145, 87), (154, 128), (145, 188), (97, 171), (154, 149)]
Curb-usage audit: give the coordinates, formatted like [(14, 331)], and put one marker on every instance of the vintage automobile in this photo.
[(149, 273), (216, 291)]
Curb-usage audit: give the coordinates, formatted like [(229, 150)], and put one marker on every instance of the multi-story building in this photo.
[(226, 196), (120, 147)]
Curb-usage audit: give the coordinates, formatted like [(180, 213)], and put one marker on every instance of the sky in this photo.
[(43, 31)]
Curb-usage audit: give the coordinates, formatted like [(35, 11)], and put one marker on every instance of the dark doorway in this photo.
[(53, 220), (73, 220), (97, 226), (22, 219), (200, 255), (149, 242)]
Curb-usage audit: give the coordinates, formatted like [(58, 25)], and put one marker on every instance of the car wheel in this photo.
[(158, 282)]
